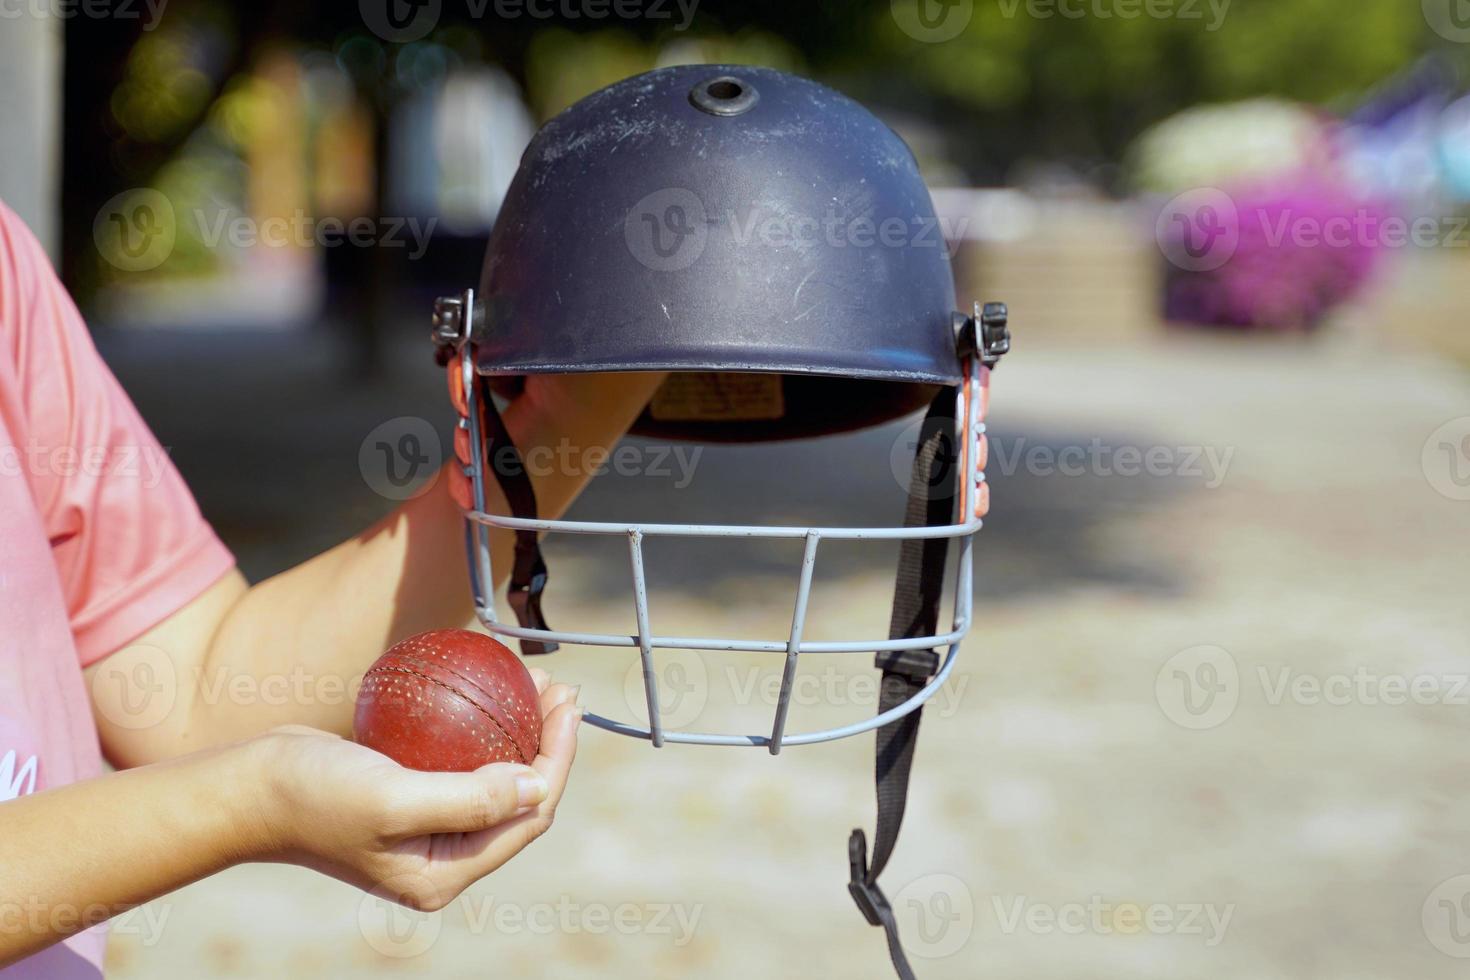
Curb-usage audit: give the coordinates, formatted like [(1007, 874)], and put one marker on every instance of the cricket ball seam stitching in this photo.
[(426, 663), (404, 670)]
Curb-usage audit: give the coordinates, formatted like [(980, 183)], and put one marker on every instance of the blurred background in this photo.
[(1212, 720)]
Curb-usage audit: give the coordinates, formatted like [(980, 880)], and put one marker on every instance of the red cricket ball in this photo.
[(449, 701)]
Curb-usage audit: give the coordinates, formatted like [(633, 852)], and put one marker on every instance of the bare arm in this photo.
[(239, 660), (82, 853)]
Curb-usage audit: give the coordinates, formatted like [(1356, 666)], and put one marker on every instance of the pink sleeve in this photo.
[(130, 545)]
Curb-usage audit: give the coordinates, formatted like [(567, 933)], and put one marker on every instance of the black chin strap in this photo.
[(916, 597), (528, 571)]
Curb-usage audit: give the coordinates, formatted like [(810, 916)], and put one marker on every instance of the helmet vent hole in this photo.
[(724, 89), (723, 96)]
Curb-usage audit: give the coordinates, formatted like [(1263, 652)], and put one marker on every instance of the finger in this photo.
[(541, 678), (460, 490), (558, 750), (460, 802), (556, 694), (304, 730), (473, 856)]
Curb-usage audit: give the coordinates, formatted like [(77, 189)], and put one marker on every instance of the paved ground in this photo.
[(1178, 744)]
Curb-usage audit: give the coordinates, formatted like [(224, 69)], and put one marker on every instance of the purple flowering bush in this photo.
[(1276, 253)]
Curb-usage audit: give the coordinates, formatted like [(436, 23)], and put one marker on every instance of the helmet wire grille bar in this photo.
[(478, 523), (793, 645), (645, 637), (482, 579)]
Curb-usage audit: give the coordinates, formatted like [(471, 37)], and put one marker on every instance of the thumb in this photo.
[(463, 802)]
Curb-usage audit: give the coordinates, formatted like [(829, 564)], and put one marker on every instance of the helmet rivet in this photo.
[(725, 95)]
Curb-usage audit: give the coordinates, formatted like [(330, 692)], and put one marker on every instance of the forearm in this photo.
[(74, 856), (318, 626)]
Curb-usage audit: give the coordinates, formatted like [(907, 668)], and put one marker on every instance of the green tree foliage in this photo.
[(1078, 79)]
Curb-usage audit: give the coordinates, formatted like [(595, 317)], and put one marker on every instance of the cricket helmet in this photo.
[(771, 244)]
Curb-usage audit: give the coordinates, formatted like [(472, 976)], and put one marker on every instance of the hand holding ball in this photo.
[(449, 701)]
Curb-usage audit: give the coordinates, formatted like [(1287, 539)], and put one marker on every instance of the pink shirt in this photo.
[(99, 541)]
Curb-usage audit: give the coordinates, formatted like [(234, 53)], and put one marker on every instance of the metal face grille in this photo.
[(969, 428)]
